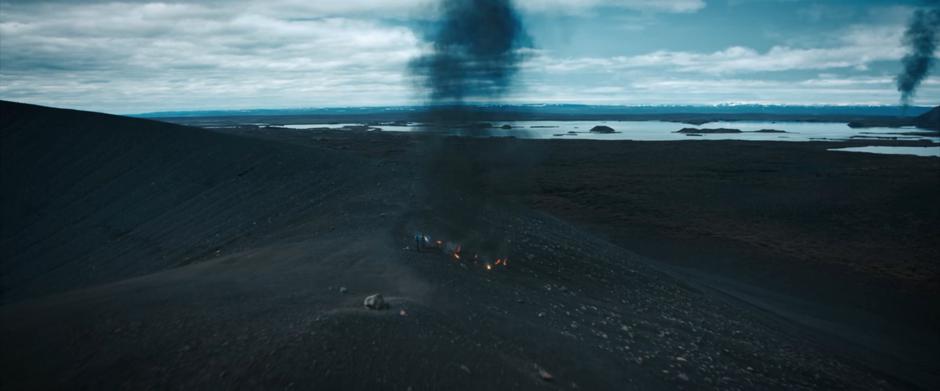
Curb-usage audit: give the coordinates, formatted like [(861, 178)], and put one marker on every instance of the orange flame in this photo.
[(456, 249)]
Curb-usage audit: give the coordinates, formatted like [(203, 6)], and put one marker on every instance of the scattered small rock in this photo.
[(375, 302), (465, 369), (402, 313), (683, 377), (342, 289), (544, 375)]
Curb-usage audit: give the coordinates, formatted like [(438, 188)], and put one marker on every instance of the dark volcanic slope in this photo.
[(91, 198), (930, 119), (200, 296)]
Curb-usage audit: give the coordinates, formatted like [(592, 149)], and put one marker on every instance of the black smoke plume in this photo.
[(477, 49), (921, 41)]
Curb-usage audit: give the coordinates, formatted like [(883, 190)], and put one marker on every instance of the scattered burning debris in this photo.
[(458, 253)]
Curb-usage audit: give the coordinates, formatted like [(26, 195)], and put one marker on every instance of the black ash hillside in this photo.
[(139, 254)]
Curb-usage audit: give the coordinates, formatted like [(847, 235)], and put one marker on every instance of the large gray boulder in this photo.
[(375, 302)]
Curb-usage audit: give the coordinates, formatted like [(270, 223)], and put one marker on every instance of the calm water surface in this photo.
[(665, 131), (887, 150)]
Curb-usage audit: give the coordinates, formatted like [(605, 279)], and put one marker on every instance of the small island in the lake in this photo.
[(709, 131), (603, 129)]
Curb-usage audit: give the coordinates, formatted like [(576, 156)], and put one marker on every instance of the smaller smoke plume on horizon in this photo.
[(920, 39), (476, 52)]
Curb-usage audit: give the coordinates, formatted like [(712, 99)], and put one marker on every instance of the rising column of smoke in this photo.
[(920, 38), (476, 52), (477, 48)]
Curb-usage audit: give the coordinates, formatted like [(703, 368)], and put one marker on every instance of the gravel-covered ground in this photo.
[(140, 255)]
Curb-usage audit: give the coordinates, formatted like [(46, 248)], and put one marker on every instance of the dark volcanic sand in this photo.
[(144, 255)]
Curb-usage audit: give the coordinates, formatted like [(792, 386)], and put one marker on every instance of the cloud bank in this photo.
[(136, 56)]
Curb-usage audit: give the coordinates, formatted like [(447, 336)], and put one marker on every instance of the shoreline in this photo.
[(860, 121)]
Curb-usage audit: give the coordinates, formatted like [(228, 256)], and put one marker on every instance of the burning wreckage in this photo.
[(456, 252)]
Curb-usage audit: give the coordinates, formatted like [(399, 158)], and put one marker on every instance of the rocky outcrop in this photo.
[(709, 131), (602, 129)]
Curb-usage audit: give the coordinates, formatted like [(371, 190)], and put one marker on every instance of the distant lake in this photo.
[(888, 150), (664, 131)]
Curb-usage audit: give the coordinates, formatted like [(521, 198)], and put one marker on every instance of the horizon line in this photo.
[(482, 105)]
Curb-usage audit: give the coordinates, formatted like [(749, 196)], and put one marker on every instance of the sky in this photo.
[(131, 56)]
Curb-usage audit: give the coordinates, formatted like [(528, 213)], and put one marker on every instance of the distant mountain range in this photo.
[(565, 110)]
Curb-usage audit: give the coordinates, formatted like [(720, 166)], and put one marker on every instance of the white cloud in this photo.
[(132, 56), (857, 48), (320, 8), (140, 56), (735, 74), (181, 54), (637, 5), (552, 6)]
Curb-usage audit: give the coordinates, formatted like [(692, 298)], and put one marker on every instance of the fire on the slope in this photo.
[(458, 253)]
